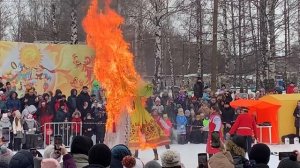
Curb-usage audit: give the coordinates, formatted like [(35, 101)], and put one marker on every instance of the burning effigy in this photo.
[(114, 68)]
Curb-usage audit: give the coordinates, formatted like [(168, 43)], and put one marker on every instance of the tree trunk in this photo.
[(225, 40), (233, 43), (158, 48), (240, 43), (214, 59), (263, 38), (74, 25), (199, 38), (54, 23), (271, 60), (285, 40)]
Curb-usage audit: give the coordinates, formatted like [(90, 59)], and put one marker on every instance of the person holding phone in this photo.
[(297, 117)]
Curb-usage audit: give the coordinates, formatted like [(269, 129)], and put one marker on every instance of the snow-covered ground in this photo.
[(189, 153)]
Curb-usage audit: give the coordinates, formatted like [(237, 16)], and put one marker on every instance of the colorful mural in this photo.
[(46, 66)]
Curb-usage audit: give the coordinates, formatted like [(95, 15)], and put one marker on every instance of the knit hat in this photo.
[(120, 151), (170, 158), (5, 154), (152, 164), (260, 153), (50, 163), (131, 162), (81, 145), (22, 159), (100, 154)]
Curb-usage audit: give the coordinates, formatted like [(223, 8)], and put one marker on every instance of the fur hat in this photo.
[(5, 154), (50, 163), (81, 145), (152, 164), (76, 112), (49, 153), (100, 154), (235, 149), (170, 158), (260, 153)]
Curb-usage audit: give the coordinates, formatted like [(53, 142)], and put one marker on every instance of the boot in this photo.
[(136, 154), (155, 154)]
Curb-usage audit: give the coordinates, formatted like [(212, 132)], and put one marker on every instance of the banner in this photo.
[(46, 67)]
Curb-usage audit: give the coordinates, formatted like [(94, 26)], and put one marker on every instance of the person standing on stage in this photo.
[(245, 125)]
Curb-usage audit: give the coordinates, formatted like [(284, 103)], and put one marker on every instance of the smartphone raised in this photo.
[(57, 142), (5, 135), (202, 160), (284, 155)]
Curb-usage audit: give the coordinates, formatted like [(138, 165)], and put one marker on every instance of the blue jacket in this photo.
[(181, 120), (12, 104)]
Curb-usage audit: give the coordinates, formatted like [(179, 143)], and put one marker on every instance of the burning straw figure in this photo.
[(144, 130)]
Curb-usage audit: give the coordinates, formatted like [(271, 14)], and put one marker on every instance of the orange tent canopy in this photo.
[(265, 111)]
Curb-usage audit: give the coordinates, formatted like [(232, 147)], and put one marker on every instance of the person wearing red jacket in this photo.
[(76, 126), (290, 88), (245, 125)]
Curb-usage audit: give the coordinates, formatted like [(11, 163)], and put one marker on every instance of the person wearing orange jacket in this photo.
[(245, 125)]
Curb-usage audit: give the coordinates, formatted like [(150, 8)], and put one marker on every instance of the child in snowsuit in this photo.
[(181, 126), (88, 126)]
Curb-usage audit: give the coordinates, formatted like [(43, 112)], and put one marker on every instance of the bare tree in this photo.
[(214, 48)]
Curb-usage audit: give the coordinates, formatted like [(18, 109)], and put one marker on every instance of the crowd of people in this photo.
[(84, 154), (26, 116), (201, 117)]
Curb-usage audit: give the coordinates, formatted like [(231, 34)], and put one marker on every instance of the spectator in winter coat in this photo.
[(61, 114), (30, 98), (5, 123), (22, 159), (45, 116), (3, 107), (30, 127), (198, 88), (18, 130), (54, 99), (83, 97), (222, 159), (158, 106), (72, 101), (171, 110), (297, 118), (150, 103), (244, 125), (59, 101), (80, 150), (197, 130), (290, 88), (181, 122), (260, 153), (88, 126), (237, 148), (99, 162), (227, 117), (85, 109), (13, 103), (5, 155), (76, 119), (118, 152), (100, 129)]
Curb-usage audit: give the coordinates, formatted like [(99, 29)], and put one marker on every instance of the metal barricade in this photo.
[(66, 129)]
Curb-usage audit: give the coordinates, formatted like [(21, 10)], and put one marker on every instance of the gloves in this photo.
[(215, 139)]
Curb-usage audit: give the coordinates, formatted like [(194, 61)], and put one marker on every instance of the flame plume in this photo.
[(113, 65)]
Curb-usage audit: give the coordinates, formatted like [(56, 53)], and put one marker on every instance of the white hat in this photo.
[(170, 158)]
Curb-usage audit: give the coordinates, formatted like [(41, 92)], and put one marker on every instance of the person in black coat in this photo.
[(88, 126), (30, 99), (100, 121), (83, 97), (197, 135), (22, 159), (198, 88), (228, 115), (71, 101), (297, 118)]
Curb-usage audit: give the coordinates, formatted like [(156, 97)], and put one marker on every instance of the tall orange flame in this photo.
[(113, 65)]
